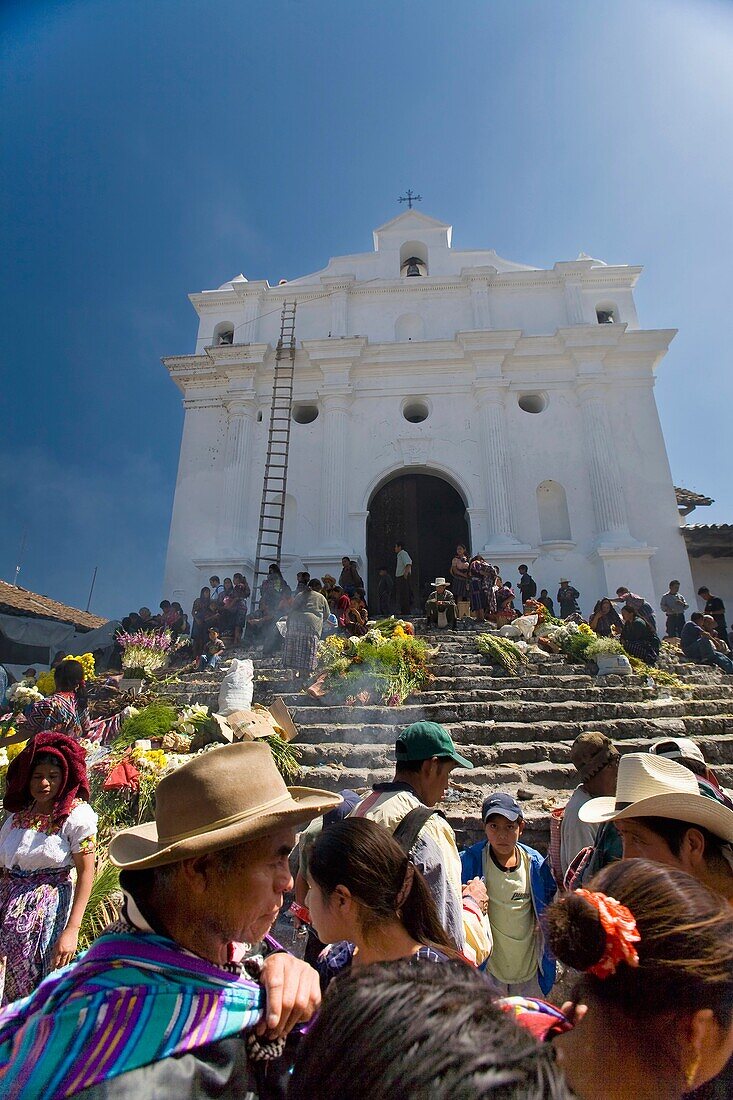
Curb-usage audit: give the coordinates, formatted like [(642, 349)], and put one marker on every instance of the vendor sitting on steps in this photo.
[(440, 609)]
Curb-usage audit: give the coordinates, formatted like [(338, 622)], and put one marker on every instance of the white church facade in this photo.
[(440, 396)]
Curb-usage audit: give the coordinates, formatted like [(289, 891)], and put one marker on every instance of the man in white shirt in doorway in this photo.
[(403, 571)]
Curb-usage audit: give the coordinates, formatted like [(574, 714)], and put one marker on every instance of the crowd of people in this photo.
[(434, 968), (477, 593)]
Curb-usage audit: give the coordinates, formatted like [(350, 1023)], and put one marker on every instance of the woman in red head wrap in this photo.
[(50, 828)]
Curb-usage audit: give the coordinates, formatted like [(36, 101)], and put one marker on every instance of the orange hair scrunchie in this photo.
[(621, 934)]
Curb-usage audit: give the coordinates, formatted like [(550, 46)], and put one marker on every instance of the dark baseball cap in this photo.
[(424, 740), (504, 804)]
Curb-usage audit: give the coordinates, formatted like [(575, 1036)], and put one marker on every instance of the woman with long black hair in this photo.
[(369, 902)]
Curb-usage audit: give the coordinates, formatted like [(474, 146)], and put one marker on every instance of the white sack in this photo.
[(237, 688)]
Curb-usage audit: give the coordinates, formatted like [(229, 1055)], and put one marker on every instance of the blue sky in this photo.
[(153, 149)]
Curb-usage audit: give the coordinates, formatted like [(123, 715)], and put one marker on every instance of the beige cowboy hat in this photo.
[(652, 786), (438, 581), (226, 796)]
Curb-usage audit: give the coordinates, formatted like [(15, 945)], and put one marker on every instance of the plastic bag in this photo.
[(237, 688), (526, 624)]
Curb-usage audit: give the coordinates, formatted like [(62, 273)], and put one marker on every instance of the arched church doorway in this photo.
[(430, 515)]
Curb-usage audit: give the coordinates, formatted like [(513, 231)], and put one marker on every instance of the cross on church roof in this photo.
[(409, 198)]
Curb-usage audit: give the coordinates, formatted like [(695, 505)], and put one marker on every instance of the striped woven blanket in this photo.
[(130, 1000)]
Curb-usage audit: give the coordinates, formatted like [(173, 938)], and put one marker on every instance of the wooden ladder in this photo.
[(274, 487)]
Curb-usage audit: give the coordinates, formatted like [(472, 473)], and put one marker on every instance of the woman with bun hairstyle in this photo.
[(656, 949), (369, 902)]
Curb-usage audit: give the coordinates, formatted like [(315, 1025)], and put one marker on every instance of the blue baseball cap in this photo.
[(502, 804)]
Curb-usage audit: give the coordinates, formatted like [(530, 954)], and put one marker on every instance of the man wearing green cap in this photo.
[(425, 757)]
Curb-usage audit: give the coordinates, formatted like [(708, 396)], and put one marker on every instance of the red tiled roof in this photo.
[(18, 601), (686, 498)]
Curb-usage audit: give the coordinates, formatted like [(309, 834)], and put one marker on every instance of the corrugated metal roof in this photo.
[(15, 600)]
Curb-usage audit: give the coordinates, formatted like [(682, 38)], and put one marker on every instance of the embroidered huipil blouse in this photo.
[(30, 841)]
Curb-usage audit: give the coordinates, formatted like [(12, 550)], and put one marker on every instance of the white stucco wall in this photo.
[(485, 331)]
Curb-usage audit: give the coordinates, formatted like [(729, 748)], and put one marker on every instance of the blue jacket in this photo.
[(542, 888)]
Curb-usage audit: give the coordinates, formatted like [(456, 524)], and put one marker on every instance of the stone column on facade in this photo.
[(478, 279), (236, 472), (251, 295), (574, 303), (334, 470), (609, 505), (339, 287), (500, 515)]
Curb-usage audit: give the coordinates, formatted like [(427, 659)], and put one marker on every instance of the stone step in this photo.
[(499, 712), (537, 695), (718, 750), (488, 733)]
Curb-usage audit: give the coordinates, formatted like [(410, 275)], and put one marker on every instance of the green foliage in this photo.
[(286, 756), (386, 669), (659, 676), (599, 647), (153, 721), (501, 651), (102, 907)]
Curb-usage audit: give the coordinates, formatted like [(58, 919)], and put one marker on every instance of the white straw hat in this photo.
[(438, 581), (652, 786)]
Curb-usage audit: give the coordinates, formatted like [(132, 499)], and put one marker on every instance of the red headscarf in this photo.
[(72, 761)]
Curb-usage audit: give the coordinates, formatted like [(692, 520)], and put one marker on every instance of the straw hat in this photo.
[(652, 786), (226, 796), (438, 581)]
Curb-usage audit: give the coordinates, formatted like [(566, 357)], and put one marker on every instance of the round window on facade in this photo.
[(415, 411), (305, 414), (532, 402)]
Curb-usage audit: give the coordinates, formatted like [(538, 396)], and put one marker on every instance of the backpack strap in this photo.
[(411, 826)]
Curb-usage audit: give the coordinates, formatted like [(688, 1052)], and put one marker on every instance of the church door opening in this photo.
[(430, 515)]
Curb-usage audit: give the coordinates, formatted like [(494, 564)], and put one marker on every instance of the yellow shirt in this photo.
[(512, 919)]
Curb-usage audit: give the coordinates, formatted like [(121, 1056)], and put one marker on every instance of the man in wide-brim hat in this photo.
[(662, 815), (440, 608), (157, 1006)]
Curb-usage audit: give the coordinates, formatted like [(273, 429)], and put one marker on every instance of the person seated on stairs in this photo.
[(426, 756), (212, 652), (696, 644), (595, 759), (520, 886), (605, 620), (637, 636), (711, 629), (440, 609)]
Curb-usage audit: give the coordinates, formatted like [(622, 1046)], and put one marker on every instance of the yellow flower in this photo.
[(46, 683)]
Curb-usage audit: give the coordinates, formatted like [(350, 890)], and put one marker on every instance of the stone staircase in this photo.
[(517, 731)]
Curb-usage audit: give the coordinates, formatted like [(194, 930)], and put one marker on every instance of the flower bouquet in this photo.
[(144, 652), (46, 682), (21, 695)]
